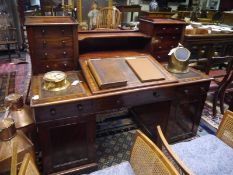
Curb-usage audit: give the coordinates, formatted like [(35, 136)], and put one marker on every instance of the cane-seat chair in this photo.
[(204, 155), (145, 159)]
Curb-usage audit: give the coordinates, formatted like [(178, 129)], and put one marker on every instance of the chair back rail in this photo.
[(182, 169)]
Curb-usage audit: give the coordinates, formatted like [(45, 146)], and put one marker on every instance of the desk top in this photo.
[(83, 93)]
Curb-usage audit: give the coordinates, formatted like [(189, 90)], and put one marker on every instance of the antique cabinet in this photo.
[(53, 43), (165, 33)]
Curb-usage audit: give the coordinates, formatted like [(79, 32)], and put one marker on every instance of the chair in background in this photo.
[(108, 18), (145, 159), (220, 69), (207, 154), (8, 38)]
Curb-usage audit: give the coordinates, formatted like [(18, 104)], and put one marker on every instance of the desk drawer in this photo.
[(54, 43), (191, 93), (53, 31), (54, 53), (166, 29), (62, 65), (61, 111)]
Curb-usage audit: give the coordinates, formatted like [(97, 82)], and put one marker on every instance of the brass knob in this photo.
[(203, 90), (53, 111), (161, 37), (47, 66), (173, 37), (177, 28), (160, 47), (65, 65), (64, 53), (44, 43), (216, 54), (80, 107), (45, 55), (164, 28), (43, 31), (186, 91), (63, 43), (155, 94)]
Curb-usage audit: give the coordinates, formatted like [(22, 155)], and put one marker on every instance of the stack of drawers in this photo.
[(165, 33), (53, 43)]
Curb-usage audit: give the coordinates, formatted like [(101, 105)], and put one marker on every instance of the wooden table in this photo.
[(66, 120)]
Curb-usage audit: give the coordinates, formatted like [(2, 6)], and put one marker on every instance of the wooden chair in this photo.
[(219, 68), (222, 144), (27, 167), (145, 159), (108, 18)]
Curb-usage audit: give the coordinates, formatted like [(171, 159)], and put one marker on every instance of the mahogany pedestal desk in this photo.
[(66, 120)]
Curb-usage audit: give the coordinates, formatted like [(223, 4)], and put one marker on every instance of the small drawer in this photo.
[(191, 93), (57, 65), (51, 43), (60, 111), (53, 31), (53, 54), (168, 29)]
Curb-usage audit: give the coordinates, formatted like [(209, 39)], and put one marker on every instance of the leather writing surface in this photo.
[(107, 72), (145, 69)]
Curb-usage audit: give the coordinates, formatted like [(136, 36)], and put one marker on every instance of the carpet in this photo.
[(7, 86)]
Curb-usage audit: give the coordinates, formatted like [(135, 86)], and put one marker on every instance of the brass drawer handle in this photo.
[(43, 31), (47, 66), (186, 91), (53, 111), (177, 28), (155, 94), (173, 37), (44, 44), (161, 37), (65, 65), (63, 43), (203, 90), (164, 28), (64, 53), (45, 55), (80, 107)]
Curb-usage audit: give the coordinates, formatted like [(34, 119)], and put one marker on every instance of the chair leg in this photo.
[(215, 99)]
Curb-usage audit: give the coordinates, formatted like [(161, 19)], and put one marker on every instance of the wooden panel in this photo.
[(69, 143)]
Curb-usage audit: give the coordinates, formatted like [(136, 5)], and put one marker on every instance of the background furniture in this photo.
[(165, 33), (53, 43), (129, 8), (145, 158), (66, 122), (8, 39), (108, 17), (207, 154)]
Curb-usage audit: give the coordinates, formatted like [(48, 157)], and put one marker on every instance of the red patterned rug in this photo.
[(22, 75)]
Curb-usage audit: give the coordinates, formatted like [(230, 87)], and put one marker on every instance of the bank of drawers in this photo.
[(166, 34), (166, 37), (53, 47)]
